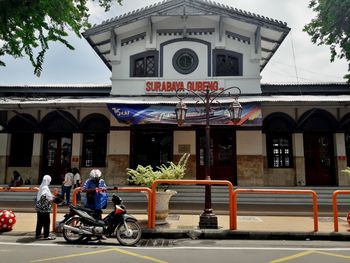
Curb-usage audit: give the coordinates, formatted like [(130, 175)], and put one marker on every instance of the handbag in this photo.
[(43, 205)]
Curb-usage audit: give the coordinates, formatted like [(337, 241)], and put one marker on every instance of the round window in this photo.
[(185, 61)]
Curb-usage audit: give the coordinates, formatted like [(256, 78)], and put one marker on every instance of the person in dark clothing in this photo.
[(43, 208), (76, 181)]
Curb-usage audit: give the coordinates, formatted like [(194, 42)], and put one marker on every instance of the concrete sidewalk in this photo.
[(184, 224)]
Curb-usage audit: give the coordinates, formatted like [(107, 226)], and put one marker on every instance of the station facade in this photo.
[(289, 135)]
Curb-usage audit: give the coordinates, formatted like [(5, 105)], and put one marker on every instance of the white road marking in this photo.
[(187, 248)]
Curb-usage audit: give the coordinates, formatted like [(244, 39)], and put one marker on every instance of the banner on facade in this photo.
[(135, 114)]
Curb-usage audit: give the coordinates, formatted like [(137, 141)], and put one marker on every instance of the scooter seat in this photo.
[(88, 210)]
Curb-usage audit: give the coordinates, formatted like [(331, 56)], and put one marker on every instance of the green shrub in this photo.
[(145, 175), (346, 171)]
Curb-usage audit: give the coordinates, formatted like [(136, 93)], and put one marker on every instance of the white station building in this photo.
[(289, 135)]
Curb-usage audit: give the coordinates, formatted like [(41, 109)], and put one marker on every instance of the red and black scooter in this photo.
[(79, 225)]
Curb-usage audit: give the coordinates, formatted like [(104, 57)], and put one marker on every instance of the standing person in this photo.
[(76, 181), (67, 186), (43, 208), (90, 186)]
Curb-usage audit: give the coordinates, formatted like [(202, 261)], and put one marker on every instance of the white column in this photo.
[(76, 149), (298, 150), (340, 159), (119, 143), (249, 143), (4, 147), (37, 145), (184, 142), (250, 161)]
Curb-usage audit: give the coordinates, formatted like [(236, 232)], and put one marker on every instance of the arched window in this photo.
[(279, 128), (22, 128), (95, 128), (144, 64), (227, 63)]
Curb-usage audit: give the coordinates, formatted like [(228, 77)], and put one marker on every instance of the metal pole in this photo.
[(207, 219)]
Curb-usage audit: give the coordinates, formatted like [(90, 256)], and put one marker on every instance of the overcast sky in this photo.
[(308, 62)]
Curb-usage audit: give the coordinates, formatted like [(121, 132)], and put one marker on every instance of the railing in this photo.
[(272, 191), (335, 207), (125, 189), (34, 189), (190, 182)]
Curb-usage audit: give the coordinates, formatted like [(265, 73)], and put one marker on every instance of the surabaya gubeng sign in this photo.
[(171, 86)]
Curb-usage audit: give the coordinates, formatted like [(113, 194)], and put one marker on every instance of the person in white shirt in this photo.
[(76, 181), (67, 185)]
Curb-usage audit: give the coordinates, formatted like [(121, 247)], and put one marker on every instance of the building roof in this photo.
[(51, 90), (339, 88), (272, 31), (23, 102), (85, 95)]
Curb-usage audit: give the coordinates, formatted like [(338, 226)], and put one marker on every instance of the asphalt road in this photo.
[(26, 249)]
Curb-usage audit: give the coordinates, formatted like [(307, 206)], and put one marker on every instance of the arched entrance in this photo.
[(318, 127), (22, 128), (223, 154), (58, 127), (95, 128)]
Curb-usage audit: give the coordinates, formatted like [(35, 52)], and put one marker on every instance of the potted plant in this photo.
[(146, 175), (344, 178)]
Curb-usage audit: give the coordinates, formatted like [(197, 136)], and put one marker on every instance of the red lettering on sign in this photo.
[(173, 86)]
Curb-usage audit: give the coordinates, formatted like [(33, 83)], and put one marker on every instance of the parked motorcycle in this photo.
[(79, 225)]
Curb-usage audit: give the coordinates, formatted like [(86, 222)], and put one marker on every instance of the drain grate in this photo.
[(155, 243)]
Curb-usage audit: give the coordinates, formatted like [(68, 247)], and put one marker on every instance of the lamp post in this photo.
[(208, 219)]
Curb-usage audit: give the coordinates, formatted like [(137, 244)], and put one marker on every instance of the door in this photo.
[(223, 155), (319, 159), (151, 148), (57, 156)]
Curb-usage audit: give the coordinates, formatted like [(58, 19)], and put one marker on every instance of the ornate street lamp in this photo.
[(235, 110), (208, 219), (180, 111)]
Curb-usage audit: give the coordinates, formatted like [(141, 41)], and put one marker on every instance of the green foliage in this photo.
[(346, 171), (27, 26), (331, 27), (146, 175)]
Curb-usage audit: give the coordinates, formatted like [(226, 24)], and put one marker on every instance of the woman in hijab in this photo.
[(43, 208)]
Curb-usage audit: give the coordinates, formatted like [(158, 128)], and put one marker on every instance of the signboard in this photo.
[(135, 114), (171, 86)]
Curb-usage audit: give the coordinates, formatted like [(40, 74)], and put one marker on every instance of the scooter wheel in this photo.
[(128, 236), (69, 235)]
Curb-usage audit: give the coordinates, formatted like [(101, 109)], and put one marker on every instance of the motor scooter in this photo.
[(80, 225)]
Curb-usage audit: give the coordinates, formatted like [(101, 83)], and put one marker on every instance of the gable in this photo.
[(271, 32)]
